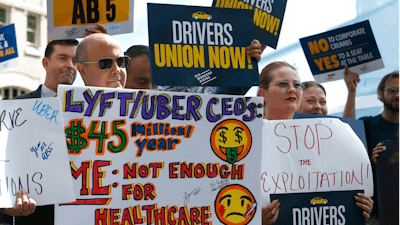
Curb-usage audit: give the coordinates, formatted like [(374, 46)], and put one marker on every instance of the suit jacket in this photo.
[(34, 94), (43, 215)]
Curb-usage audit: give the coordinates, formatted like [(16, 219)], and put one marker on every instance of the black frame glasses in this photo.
[(107, 62)]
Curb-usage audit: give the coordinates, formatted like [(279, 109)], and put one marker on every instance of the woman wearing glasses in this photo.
[(281, 89), (282, 92)]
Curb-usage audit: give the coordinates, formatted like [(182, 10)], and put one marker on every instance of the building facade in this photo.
[(30, 20)]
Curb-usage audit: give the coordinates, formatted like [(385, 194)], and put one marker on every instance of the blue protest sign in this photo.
[(335, 208), (328, 53), (268, 17), (201, 46), (387, 182), (8, 47)]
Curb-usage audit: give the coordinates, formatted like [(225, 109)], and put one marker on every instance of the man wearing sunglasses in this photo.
[(101, 61), (383, 127)]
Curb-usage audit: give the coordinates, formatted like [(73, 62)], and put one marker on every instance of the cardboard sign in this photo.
[(8, 47), (387, 182), (328, 53), (268, 17), (33, 152), (335, 208), (144, 157), (68, 19), (313, 155), (201, 46)]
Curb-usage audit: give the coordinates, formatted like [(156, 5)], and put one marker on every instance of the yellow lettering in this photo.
[(198, 56), (257, 16), (319, 64), (336, 62), (271, 23), (264, 17), (188, 56), (313, 46), (323, 44), (213, 57), (327, 62), (180, 63), (240, 5), (238, 56), (171, 55), (159, 58), (224, 57)]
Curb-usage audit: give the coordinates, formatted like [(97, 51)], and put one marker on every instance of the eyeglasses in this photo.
[(392, 91), (106, 63), (286, 85)]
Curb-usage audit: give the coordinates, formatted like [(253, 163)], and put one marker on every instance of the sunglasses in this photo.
[(106, 63)]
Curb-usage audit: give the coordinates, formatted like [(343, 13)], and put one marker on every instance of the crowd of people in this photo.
[(102, 63)]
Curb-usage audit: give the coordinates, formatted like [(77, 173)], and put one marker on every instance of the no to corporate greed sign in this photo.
[(69, 18), (201, 46), (142, 157)]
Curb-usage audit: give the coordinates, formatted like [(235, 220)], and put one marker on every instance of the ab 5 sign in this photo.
[(69, 19)]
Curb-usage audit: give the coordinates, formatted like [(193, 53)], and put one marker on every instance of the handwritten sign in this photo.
[(328, 53), (201, 46), (8, 47), (68, 19), (141, 157), (313, 155), (33, 152), (334, 207), (268, 17)]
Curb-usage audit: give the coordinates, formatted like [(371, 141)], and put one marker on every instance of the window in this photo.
[(12, 92), (32, 31), (3, 17)]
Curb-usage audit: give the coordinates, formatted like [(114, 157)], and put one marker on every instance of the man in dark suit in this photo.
[(60, 64)]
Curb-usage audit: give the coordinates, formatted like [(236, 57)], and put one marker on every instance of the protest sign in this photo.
[(268, 17), (33, 152), (312, 155), (201, 46), (143, 157), (387, 183), (328, 53), (334, 208), (8, 47), (355, 124), (69, 19)]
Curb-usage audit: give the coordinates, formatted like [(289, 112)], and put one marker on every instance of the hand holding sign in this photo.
[(365, 203), (375, 152), (351, 79), (270, 212), (25, 205)]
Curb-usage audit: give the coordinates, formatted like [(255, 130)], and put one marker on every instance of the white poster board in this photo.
[(312, 155), (33, 152), (68, 19), (161, 157)]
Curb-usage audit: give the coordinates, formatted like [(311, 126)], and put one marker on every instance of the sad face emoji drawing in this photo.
[(231, 140), (235, 205)]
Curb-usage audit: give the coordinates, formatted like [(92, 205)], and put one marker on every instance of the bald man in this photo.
[(101, 61)]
